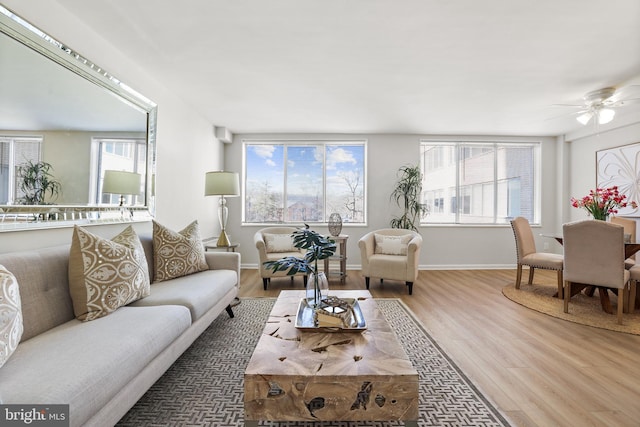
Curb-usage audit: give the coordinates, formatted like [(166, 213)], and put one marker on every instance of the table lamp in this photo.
[(122, 183), (222, 184)]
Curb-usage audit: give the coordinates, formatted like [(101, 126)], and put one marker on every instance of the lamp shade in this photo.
[(221, 183), (121, 182)]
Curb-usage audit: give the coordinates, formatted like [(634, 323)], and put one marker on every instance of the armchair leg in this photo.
[(265, 283), (304, 281), (366, 282), (229, 311), (410, 285)]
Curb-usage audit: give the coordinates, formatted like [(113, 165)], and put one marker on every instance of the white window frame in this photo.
[(311, 143), (13, 163), (536, 210)]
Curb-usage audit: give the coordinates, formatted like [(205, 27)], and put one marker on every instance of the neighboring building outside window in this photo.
[(304, 181), (480, 182), (124, 154)]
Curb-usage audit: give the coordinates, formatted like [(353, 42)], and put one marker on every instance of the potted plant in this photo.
[(407, 196), (318, 247), (35, 181)]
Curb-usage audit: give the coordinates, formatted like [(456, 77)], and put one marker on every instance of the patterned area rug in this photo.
[(204, 387), (583, 309)]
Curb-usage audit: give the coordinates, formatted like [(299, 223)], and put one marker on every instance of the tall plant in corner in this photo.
[(407, 196), (35, 181)]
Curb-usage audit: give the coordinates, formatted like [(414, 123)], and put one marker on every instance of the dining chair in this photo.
[(528, 255), (594, 255), (630, 229)]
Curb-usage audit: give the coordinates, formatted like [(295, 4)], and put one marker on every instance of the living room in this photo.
[(187, 147)]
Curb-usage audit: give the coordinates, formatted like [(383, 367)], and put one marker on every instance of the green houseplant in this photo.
[(35, 181), (318, 248), (407, 196)]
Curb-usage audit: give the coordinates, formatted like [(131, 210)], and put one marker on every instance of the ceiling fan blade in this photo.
[(622, 93), (568, 105)]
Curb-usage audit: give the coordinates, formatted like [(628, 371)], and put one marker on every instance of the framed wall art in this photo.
[(621, 166)]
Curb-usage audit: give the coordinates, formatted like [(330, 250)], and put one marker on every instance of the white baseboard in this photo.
[(429, 267)]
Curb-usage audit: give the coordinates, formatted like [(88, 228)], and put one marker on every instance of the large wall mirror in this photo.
[(65, 116)]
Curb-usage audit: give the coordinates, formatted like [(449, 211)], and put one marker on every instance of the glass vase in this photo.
[(317, 288)]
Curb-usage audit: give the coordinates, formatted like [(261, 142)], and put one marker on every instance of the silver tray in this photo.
[(305, 318)]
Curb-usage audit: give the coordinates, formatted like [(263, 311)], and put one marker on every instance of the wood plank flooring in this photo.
[(538, 370)]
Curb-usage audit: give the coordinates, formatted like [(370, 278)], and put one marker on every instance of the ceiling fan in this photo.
[(600, 104)]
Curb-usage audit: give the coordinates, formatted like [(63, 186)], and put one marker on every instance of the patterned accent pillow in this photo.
[(106, 274), (392, 245), (177, 254), (10, 314), (279, 242)]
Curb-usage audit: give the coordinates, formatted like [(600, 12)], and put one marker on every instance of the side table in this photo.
[(213, 244), (340, 258)]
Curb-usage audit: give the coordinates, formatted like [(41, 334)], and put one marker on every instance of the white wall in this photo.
[(444, 246), (581, 150), (186, 144)]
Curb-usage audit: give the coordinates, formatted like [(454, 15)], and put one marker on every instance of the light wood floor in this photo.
[(538, 370)]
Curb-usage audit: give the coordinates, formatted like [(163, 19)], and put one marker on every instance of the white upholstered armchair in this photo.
[(391, 253), (274, 243)]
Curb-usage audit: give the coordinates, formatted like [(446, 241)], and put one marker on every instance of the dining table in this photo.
[(630, 248)]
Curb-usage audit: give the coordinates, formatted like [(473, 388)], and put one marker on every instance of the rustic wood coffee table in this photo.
[(297, 375)]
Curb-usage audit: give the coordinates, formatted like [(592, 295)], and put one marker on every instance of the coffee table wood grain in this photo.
[(297, 375)]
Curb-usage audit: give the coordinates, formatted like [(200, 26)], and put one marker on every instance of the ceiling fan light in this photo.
[(605, 116), (584, 118)]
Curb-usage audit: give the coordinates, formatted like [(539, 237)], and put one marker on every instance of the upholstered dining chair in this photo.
[(629, 226), (528, 255), (274, 243), (391, 253), (594, 255)]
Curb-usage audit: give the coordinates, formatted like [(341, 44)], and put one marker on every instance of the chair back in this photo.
[(594, 253), (525, 243), (629, 227)]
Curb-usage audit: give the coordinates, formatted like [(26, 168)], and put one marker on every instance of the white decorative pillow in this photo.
[(279, 242), (10, 314), (392, 245), (106, 274), (177, 254)]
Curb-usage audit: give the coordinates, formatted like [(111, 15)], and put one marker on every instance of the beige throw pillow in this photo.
[(278, 242), (392, 245), (106, 274), (10, 314), (177, 254)]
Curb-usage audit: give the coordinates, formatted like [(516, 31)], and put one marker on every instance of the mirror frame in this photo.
[(30, 217)]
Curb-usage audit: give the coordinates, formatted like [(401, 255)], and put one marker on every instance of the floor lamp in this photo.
[(122, 183), (223, 184)]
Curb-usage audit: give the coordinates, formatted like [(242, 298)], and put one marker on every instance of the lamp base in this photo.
[(223, 240)]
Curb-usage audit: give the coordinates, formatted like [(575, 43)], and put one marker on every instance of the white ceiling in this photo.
[(492, 67)]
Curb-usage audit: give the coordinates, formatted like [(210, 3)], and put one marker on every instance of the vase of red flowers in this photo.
[(602, 202)]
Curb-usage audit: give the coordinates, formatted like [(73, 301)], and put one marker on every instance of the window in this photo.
[(304, 181), (118, 154), (15, 151), (480, 182)]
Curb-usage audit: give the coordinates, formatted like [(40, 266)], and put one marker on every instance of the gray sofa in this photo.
[(102, 367)]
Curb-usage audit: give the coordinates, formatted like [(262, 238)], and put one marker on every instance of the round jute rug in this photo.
[(582, 308)]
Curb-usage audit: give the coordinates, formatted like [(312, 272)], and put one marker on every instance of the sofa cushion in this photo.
[(86, 363), (106, 274), (177, 254), (198, 292), (10, 315), (44, 290), (276, 243), (392, 245)]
